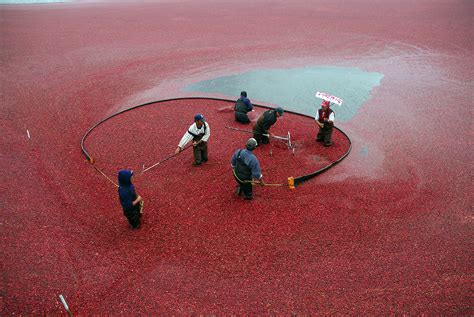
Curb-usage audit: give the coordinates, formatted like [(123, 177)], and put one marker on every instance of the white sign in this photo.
[(329, 97)]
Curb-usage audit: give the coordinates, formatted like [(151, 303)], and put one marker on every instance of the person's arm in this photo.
[(254, 165), (138, 200), (208, 133), (248, 104), (184, 140), (233, 160), (126, 198), (331, 119)]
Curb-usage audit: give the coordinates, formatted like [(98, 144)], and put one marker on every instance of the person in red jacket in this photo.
[(325, 120)]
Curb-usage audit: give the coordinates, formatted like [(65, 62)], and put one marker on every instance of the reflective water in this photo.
[(294, 88)]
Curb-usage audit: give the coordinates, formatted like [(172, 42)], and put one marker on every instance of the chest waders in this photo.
[(200, 149)]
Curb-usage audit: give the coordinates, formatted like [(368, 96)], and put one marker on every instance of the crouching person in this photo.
[(242, 107), (246, 169), (130, 201)]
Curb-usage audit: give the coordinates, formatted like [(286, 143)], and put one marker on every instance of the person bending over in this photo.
[(264, 122)]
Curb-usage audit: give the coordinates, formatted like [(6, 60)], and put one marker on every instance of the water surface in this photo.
[(294, 88)]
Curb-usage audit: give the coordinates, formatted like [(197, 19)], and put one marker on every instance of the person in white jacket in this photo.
[(199, 132)]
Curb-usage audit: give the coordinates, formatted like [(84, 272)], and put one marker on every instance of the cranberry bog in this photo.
[(386, 231)]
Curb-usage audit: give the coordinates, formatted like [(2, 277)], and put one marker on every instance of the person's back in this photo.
[(246, 165), (264, 122), (242, 106)]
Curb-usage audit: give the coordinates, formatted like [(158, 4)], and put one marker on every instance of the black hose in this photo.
[(298, 180)]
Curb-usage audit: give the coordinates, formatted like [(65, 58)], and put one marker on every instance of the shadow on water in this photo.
[(294, 88)]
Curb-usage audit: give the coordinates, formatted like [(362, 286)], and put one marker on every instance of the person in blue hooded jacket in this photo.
[(130, 201), (242, 106)]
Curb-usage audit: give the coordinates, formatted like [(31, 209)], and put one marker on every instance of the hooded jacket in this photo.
[(126, 190)]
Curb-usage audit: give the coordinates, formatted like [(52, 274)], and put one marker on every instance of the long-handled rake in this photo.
[(290, 184), (163, 160), (285, 139), (66, 307)]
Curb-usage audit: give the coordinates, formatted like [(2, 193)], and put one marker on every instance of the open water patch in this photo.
[(294, 88)]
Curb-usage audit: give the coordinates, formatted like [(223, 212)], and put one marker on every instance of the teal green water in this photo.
[(294, 88)]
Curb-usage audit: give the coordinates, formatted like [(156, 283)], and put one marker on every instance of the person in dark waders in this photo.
[(130, 201), (325, 120), (264, 122), (242, 106), (246, 169), (199, 132)]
